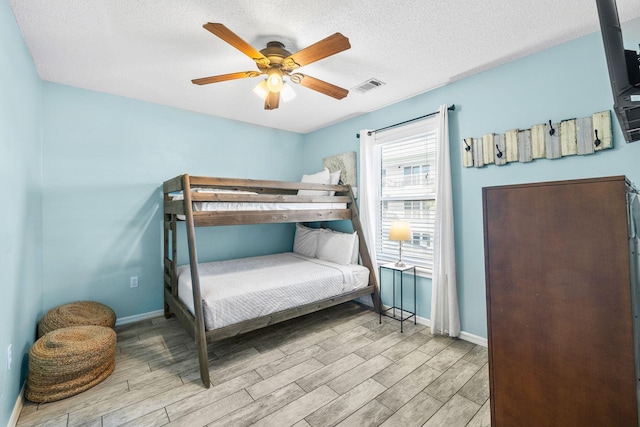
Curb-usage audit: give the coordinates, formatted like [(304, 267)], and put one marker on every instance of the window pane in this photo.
[(408, 167), (407, 193), (421, 216)]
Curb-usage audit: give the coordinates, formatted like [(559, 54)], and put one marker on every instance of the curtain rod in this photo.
[(452, 108)]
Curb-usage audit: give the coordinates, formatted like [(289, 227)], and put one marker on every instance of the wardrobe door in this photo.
[(561, 349)]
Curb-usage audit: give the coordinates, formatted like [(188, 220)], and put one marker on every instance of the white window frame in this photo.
[(424, 127)]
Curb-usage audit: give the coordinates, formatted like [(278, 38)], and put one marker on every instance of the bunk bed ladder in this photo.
[(364, 252), (199, 332), (169, 262)]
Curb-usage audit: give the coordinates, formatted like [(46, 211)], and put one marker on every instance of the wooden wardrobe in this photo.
[(561, 304)]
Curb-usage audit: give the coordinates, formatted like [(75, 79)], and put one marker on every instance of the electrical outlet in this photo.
[(9, 357), (133, 281)]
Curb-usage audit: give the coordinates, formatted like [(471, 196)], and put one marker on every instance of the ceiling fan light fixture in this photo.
[(276, 62), (287, 93), (274, 80), (261, 90)]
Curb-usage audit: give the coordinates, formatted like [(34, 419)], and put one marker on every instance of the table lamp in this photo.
[(400, 231)]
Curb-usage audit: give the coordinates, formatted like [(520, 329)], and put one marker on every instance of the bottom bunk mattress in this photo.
[(246, 288)]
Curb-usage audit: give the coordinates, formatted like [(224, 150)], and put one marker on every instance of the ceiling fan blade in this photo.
[(225, 77), (234, 40), (319, 86), (330, 46), (272, 101)]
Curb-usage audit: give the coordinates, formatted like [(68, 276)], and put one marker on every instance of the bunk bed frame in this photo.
[(268, 192)]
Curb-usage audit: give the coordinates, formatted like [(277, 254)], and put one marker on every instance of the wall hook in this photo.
[(468, 147), (551, 129), (597, 141), (499, 154)]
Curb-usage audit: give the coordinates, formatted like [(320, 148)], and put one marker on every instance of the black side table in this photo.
[(402, 270)]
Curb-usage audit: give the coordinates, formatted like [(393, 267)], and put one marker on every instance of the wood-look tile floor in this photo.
[(335, 367)]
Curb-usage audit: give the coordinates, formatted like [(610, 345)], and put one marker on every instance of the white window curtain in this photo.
[(368, 193), (445, 315)]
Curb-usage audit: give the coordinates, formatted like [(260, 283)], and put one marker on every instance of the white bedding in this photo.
[(246, 288), (253, 206), (250, 206)]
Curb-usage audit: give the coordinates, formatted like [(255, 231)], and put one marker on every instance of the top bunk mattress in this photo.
[(241, 289), (199, 206), (251, 206)]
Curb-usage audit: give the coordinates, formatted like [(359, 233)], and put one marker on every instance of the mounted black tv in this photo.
[(624, 71)]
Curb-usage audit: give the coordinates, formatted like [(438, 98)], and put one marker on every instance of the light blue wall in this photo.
[(567, 81), (105, 158), (21, 207), (81, 211)]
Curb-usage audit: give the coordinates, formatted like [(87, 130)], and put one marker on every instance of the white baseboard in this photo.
[(474, 339), (13, 420), (139, 317)]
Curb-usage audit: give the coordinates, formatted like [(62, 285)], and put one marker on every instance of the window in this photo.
[(407, 174)]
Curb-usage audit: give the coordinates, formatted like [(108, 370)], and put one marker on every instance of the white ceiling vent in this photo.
[(368, 85)]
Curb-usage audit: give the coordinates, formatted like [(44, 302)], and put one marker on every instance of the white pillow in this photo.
[(356, 245), (335, 247), (305, 241), (322, 177), (356, 249), (334, 179)]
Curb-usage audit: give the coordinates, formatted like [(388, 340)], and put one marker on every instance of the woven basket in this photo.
[(76, 314), (68, 361)]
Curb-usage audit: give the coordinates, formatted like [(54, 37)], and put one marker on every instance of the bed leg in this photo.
[(167, 311), (204, 363), (375, 299)]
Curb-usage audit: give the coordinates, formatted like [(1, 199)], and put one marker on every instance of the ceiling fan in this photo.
[(275, 62)]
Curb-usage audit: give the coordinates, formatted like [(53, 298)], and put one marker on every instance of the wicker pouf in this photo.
[(68, 361), (76, 314)]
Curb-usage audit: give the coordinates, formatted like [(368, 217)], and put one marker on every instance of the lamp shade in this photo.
[(287, 93), (274, 80), (261, 90), (400, 231)]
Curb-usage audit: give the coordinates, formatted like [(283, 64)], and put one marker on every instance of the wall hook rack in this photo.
[(575, 136)]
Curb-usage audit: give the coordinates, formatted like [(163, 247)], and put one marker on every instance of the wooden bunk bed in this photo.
[(233, 190)]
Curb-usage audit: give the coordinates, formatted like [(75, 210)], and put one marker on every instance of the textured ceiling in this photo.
[(151, 49)]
